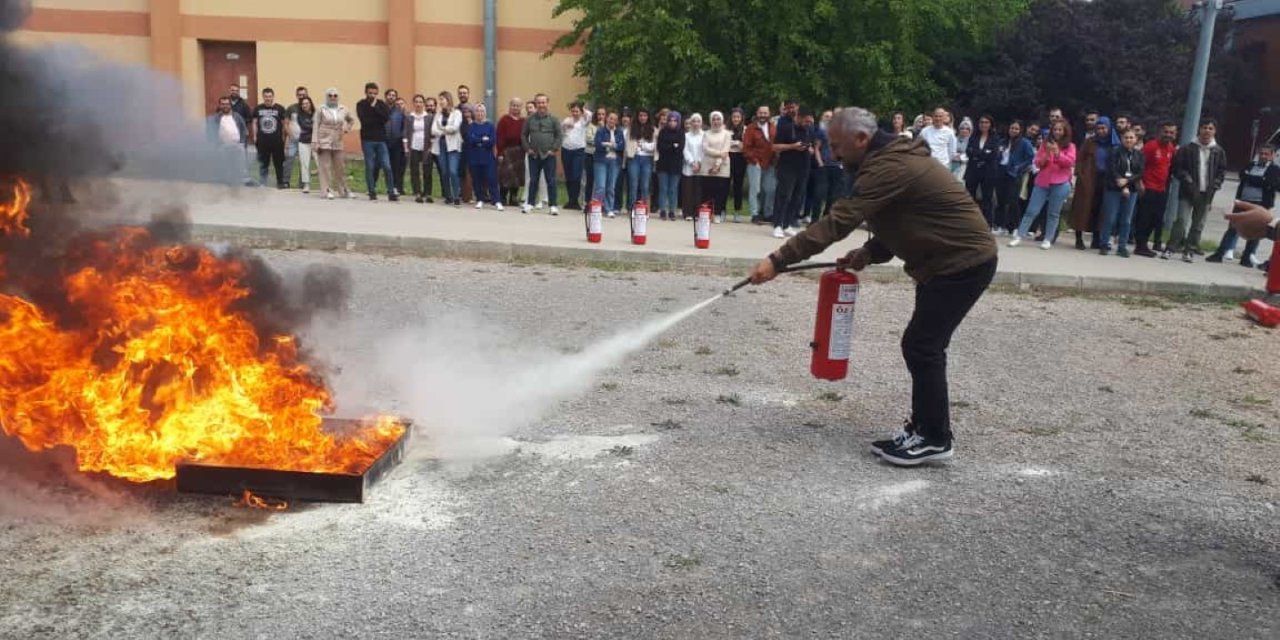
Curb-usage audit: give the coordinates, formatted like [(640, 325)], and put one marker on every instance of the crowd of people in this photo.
[(1111, 177)]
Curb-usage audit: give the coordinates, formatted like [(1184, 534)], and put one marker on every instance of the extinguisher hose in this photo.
[(788, 269)]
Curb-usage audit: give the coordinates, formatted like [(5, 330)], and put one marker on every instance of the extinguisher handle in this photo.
[(787, 269)]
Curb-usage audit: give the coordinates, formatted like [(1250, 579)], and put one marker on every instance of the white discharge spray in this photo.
[(467, 387)]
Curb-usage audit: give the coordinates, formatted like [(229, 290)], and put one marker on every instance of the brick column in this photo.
[(402, 54), (166, 36)]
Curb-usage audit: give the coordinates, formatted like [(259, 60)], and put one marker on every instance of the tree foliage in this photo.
[(1118, 56), (881, 54)]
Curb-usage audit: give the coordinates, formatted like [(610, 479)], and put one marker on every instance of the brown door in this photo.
[(228, 63)]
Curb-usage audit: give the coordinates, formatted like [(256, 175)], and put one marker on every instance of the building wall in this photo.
[(418, 46)]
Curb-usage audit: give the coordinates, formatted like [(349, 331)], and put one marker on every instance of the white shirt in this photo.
[(228, 132), (419, 140), (692, 151), (575, 134), (1205, 152), (942, 143), (646, 147), (450, 128)]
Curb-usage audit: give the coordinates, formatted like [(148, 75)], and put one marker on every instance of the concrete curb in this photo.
[(291, 239)]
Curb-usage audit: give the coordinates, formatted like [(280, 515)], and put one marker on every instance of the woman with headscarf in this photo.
[(737, 161), (481, 137), (670, 164), (716, 169), (332, 122), (1091, 163), (693, 157), (960, 163)]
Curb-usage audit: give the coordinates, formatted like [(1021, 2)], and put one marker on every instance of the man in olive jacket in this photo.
[(916, 211)]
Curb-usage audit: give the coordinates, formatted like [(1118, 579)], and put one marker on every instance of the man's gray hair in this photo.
[(852, 119)]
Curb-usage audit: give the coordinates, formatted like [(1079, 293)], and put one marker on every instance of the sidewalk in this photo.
[(288, 219)]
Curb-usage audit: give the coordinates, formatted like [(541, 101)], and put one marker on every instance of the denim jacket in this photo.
[(603, 145)]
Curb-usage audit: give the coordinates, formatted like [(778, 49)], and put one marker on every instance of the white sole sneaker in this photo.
[(498, 206), (1015, 242), (479, 205), (779, 233), (1046, 246)]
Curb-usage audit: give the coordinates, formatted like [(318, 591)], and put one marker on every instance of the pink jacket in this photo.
[(1055, 170)]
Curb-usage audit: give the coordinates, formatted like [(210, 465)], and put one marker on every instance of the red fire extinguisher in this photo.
[(1273, 271), (640, 222), (594, 222), (833, 329), (702, 227)]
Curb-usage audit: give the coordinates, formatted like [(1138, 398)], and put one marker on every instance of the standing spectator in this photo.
[(1154, 197), (757, 146), (304, 120), (447, 129), (464, 176), (268, 132), (573, 154), (610, 146), (529, 109), (1016, 156), (1122, 124), (241, 107), (1055, 115), (291, 142), (481, 140), (595, 121), (333, 121), (1199, 167), (941, 138), (1056, 160), (417, 142), (395, 139), (542, 138), (960, 164), (373, 114), (826, 178), (1121, 186), (1091, 162), (228, 130), (717, 170), (1258, 185), (642, 144), (620, 188), (983, 172), (898, 125), (692, 171), (511, 164), (1090, 125), (737, 161), (793, 145), (670, 164)]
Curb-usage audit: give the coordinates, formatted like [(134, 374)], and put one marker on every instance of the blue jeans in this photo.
[(1117, 215), (449, 185), (290, 155), (484, 178), (639, 172), (541, 167), (606, 179), (668, 192), (574, 160), (761, 183), (376, 158), (1055, 196)]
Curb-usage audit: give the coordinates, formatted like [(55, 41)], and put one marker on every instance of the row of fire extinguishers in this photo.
[(640, 224)]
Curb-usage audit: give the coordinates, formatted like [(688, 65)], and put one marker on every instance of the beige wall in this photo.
[(442, 69), (124, 49), (192, 78), (534, 14), (141, 6), (285, 65), (460, 11), (524, 74), (369, 10)]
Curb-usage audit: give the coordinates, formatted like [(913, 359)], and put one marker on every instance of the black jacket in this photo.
[(1268, 182), (373, 120), (984, 159), (1186, 169), (1125, 163), (670, 150)]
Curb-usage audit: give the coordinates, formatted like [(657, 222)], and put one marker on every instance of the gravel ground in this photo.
[(1116, 476)]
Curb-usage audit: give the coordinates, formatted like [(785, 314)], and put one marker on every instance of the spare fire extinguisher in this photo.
[(833, 328), (594, 219), (1273, 271), (640, 222), (702, 227)]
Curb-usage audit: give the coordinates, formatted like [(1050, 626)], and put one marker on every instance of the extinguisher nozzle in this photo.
[(745, 282)]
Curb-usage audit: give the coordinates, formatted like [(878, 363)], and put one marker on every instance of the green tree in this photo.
[(881, 54)]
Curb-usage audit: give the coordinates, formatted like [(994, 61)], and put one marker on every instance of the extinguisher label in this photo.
[(639, 223), (848, 293), (840, 344), (593, 222), (702, 228)]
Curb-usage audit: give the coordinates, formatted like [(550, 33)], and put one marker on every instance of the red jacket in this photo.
[(1159, 157), (756, 147), (509, 130)]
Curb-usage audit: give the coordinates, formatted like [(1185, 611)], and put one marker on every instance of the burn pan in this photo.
[(304, 486)]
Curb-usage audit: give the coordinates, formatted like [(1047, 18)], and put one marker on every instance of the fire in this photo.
[(147, 361), (248, 499)]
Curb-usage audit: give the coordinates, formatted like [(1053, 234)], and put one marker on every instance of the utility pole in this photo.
[(490, 56), (1195, 94)]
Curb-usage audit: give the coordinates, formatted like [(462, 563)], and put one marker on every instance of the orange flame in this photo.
[(13, 216), (160, 367), (248, 499)]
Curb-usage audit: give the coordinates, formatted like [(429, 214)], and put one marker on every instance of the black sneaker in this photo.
[(1188, 257), (1215, 258), (915, 450), (418, 199), (373, 196), (894, 441), (1266, 266), (395, 197), (430, 200)]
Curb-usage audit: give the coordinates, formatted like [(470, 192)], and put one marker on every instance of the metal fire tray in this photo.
[(306, 486)]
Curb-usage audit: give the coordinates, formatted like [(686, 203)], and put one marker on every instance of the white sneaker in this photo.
[(719, 219), (792, 231), (1229, 256), (1046, 245), (612, 215), (555, 211), (329, 195), (1015, 241), (525, 208), (540, 206), (479, 204), (306, 189), (779, 233), (498, 206)]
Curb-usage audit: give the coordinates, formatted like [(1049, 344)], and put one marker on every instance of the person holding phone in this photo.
[(792, 144)]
